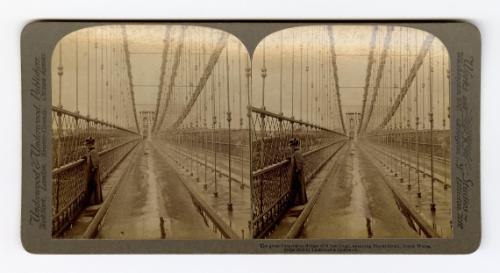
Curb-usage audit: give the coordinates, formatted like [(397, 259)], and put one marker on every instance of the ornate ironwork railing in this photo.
[(410, 139), (69, 131), (270, 161), (208, 139)]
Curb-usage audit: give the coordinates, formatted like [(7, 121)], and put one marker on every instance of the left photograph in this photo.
[(150, 135)]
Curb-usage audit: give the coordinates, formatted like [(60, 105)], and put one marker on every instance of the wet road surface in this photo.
[(238, 218), (152, 203), (356, 203), (440, 220)]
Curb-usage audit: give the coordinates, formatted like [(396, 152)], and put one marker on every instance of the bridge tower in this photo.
[(353, 119)]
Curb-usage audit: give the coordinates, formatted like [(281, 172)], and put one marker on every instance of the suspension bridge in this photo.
[(193, 135), (166, 106), (370, 107)]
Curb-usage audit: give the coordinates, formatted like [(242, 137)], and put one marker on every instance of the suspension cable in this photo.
[(221, 43), (380, 71), (408, 81), (335, 75), (173, 75), (129, 72), (368, 73)]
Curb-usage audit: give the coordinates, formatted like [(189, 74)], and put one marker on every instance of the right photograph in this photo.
[(350, 134)]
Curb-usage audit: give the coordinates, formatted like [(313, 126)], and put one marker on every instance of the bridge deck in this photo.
[(150, 196), (153, 204), (238, 218), (356, 203), (82, 223), (440, 221), (356, 198), (315, 185)]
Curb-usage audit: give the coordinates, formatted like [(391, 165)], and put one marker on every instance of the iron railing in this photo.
[(69, 184), (209, 140), (410, 139), (270, 161)]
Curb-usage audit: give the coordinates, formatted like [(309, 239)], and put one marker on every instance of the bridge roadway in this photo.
[(238, 219), (357, 201), (440, 220), (154, 202)]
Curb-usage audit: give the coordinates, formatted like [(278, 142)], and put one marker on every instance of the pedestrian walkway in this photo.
[(314, 189), (87, 223)]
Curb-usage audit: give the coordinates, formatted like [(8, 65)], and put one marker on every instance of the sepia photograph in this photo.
[(150, 134), (350, 134), (176, 132)]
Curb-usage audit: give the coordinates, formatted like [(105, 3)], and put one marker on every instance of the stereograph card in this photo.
[(251, 137)]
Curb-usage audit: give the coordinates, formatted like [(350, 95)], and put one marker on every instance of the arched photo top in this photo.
[(293, 68), (141, 66), (349, 38)]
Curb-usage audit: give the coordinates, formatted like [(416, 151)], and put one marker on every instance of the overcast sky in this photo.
[(306, 46)]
